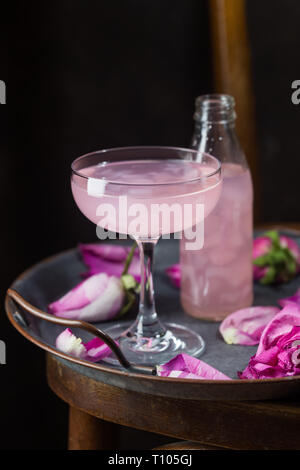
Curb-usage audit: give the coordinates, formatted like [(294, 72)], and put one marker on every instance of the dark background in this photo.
[(83, 75)]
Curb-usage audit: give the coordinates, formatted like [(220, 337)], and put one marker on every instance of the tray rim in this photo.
[(123, 372)]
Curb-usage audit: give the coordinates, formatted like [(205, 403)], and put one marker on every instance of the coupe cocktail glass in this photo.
[(147, 192)]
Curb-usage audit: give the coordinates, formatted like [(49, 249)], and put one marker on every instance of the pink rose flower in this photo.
[(278, 353), (276, 258), (109, 288), (98, 298)]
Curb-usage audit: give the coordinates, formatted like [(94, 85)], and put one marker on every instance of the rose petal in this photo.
[(82, 295), (174, 273), (96, 349), (70, 344), (93, 350), (185, 366), (109, 259), (260, 371), (245, 326), (104, 293)]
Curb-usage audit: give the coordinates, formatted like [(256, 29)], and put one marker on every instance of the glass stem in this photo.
[(147, 322)]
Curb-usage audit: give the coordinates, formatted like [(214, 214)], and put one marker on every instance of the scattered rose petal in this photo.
[(188, 367), (174, 273), (98, 298), (70, 344), (96, 349), (109, 258), (245, 326), (83, 294), (279, 347), (93, 350)]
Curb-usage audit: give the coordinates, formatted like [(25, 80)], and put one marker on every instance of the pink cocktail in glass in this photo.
[(146, 192)]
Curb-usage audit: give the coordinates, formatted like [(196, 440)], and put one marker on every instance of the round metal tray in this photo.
[(51, 278)]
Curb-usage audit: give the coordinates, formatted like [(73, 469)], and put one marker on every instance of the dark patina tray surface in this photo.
[(52, 278)]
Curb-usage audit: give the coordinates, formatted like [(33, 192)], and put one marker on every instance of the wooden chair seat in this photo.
[(96, 407)]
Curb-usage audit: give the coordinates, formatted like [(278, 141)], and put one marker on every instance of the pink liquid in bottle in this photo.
[(217, 279)]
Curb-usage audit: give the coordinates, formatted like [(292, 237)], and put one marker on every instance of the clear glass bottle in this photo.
[(217, 279)]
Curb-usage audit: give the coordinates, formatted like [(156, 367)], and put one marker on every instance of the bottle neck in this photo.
[(215, 109), (214, 131), (210, 134)]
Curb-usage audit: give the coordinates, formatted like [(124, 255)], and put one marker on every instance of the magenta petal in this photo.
[(109, 259), (245, 326), (105, 296), (268, 356), (174, 273), (82, 295), (290, 337), (185, 366), (97, 264), (96, 349), (260, 371), (246, 374)]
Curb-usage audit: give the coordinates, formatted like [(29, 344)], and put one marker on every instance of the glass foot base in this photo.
[(154, 351)]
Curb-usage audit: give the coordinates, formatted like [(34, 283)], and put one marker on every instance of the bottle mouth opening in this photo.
[(215, 107), (215, 101)]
